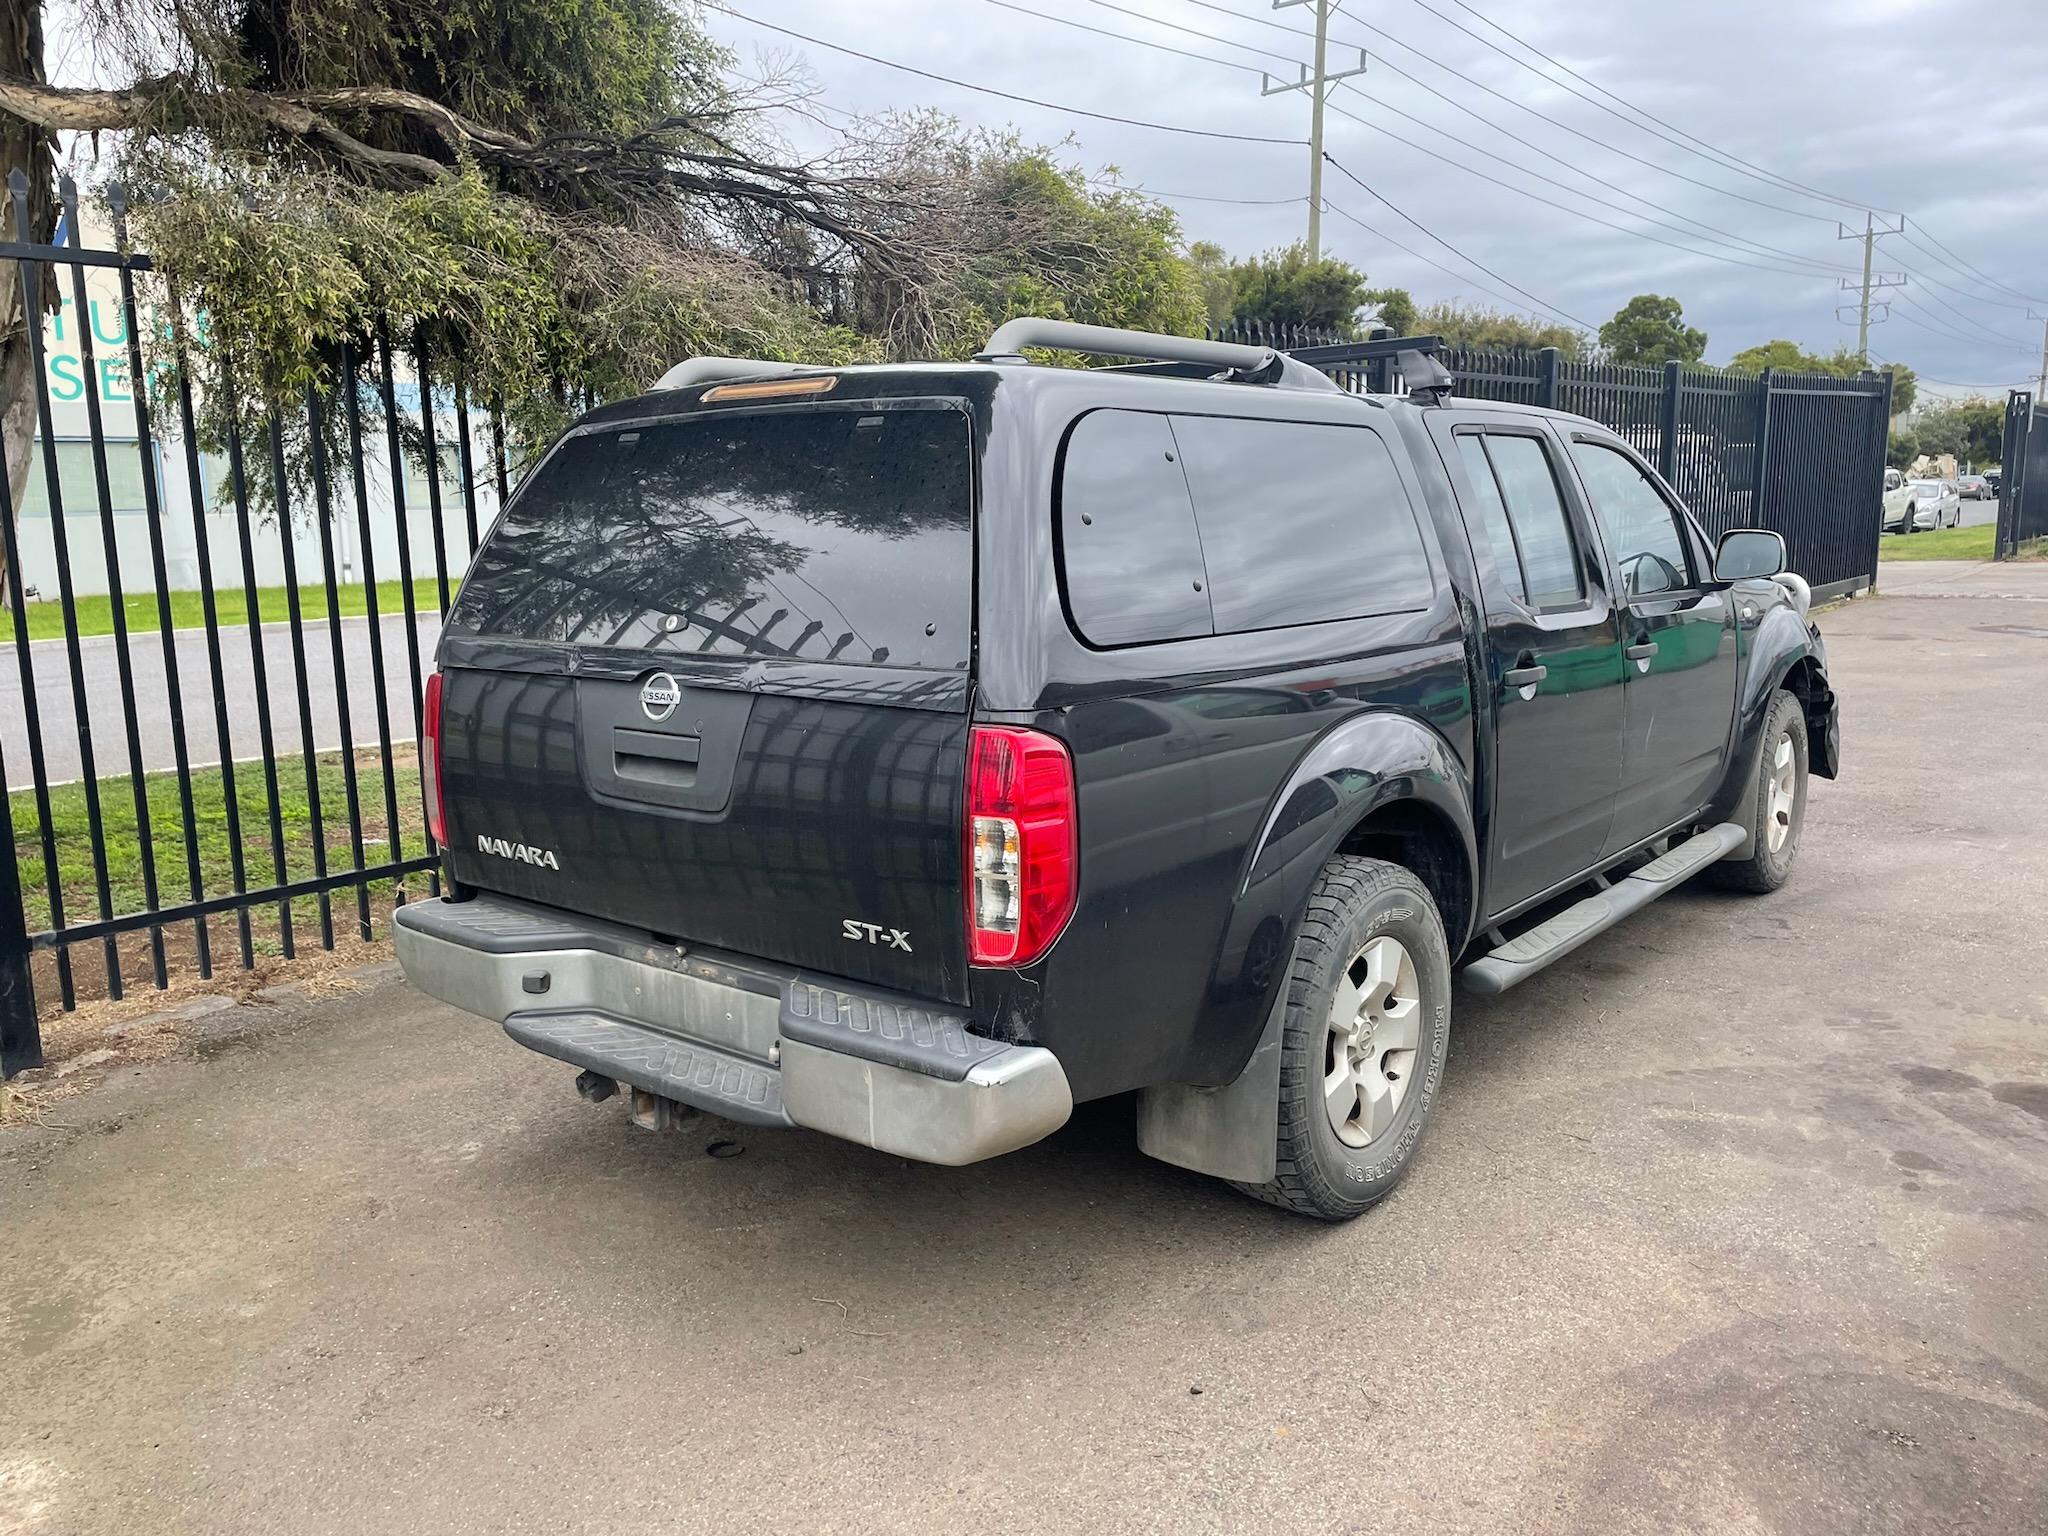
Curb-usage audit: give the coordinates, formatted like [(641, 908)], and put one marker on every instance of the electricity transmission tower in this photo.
[(1317, 84)]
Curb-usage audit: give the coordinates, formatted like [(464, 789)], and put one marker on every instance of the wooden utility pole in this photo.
[(1317, 84), (1871, 283)]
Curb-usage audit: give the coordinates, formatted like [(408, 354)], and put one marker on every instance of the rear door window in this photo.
[(1301, 522), (840, 534), (1493, 514), (1551, 570)]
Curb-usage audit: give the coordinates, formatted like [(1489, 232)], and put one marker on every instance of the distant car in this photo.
[(1939, 504), (1976, 488), (1993, 478)]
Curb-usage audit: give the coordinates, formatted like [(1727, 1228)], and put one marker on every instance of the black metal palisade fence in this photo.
[(192, 828), (239, 728)]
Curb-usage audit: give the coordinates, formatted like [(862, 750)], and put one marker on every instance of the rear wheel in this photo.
[(1780, 808), (1363, 1039)]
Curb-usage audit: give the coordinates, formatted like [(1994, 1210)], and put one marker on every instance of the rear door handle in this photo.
[(1525, 677)]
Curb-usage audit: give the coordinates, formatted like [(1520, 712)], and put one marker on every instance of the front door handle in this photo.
[(1642, 650), (1525, 677)]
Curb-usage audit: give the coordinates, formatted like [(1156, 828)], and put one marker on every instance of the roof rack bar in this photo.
[(1013, 336), (711, 370), (1247, 365)]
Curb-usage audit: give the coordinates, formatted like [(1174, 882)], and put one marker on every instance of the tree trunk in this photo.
[(26, 147)]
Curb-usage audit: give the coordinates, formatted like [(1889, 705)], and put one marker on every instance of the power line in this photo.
[(986, 90), (1343, 171), (1969, 320), (1381, 234), (1705, 150), (1979, 274), (1759, 246), (1715, 237), (1821, 268), (1575, 212), (1954, 261), (1951, 287), (1123, 37), (1520, 106), (1241, 202), (1212, 37), (1925, 323), (1928, 378)]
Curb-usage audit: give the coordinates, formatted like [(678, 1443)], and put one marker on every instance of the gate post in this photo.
[(21, 1038), (1548, 391), (1883, 453), (2012, 475), (1760, 471), (1667, 446)]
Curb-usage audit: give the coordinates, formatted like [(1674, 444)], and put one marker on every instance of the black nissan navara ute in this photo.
[(909, 753)]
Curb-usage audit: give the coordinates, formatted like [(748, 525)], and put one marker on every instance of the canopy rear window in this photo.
[(837, 534)]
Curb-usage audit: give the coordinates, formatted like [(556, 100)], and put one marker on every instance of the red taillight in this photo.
[(1021, 875), (430, 760)]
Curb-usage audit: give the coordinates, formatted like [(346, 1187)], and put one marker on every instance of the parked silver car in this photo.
[(1937, 504)]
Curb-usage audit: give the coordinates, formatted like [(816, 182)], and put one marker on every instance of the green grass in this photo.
[(72, 830), (1939, 544), (96, 613)]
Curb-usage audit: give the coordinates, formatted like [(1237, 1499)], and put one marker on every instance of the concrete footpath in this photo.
[(2022, 579), (1737, 1221)]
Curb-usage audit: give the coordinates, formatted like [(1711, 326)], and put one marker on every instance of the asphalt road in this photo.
[(1736, 1221), (100, 669)]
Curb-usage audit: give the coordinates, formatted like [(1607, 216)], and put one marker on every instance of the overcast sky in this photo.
[(1936, 108)]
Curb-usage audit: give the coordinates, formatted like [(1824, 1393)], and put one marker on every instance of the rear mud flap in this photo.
[(1823, 735), (1228, 1132)]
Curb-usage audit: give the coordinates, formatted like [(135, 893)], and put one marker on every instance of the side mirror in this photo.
[(1747, 552)]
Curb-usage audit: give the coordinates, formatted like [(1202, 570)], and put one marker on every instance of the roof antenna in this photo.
[(1427, 378)]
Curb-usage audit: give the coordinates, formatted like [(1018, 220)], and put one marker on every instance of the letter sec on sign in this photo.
[(659, 696)]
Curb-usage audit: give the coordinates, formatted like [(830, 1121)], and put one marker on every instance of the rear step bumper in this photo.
[(733, 1036)]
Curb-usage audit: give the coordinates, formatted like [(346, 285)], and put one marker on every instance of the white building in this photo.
[(86, 366)]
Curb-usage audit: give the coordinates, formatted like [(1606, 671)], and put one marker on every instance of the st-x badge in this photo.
[(659, 696)]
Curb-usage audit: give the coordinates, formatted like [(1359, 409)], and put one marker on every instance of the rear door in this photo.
[(1678, 643), (709, 676), (1553, 650)]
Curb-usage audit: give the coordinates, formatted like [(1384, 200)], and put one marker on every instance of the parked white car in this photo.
[(1900, 505)]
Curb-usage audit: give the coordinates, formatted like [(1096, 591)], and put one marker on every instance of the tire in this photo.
[(1364, 919), (1769, 867)]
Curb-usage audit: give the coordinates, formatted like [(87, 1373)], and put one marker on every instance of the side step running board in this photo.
[(1550, 941)]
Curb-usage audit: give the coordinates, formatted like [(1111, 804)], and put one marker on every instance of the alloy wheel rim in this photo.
[(1370, 1047), (1783, 794)]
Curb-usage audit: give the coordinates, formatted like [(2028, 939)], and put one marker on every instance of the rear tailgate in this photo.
[(709, 676)]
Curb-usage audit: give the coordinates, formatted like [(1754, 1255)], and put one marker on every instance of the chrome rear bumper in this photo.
[(734, 1036)]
